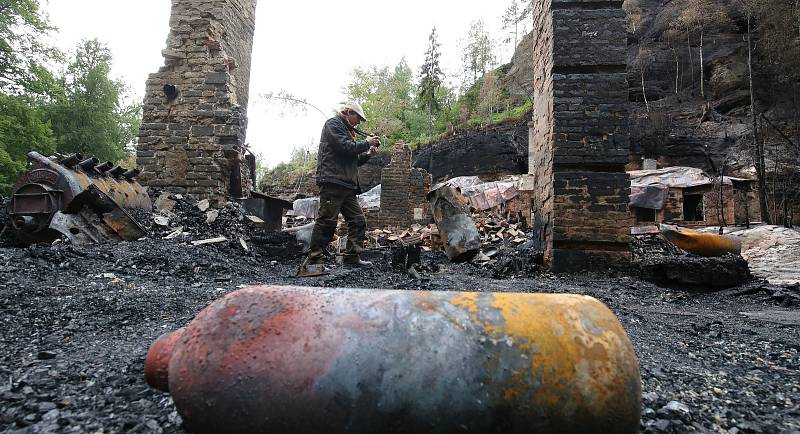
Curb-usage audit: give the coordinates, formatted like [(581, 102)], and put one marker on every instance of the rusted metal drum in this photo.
[(701, 243), (313, 360), (48, 198)]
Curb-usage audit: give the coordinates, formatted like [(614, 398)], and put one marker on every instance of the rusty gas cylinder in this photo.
[(701, 243), (319, 360)]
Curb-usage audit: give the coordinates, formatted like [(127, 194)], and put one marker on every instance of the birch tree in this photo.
[(704, 17)]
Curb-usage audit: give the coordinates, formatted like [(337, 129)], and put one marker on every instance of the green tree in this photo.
[(516, 13), (386, 96), (23, 128), (478, 55), (430, 80), (90, 116), (22, 52)]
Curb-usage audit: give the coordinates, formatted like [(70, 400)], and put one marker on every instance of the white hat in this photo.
[(354, 106)]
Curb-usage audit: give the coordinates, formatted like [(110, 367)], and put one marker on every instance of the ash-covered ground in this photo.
[(76, 323)]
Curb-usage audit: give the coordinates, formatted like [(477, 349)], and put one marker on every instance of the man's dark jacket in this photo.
[(339, 155)]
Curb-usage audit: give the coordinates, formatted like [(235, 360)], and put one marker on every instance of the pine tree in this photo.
[(430, 79)]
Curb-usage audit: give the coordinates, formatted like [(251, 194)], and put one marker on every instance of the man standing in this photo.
[(337, 177)]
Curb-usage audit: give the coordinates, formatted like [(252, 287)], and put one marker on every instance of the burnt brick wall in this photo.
[(194, 114), (579, 143), (403, 188)]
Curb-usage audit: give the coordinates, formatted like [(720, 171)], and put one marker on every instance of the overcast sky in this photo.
[(306, 48)]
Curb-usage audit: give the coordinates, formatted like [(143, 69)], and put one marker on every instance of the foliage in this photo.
[(478, 55), (633, 9), (90, 116), (489, 95), (23, 128), (513, 114), (22, 52), (430, 80), (288, 176), (518, 12), (387, 96)]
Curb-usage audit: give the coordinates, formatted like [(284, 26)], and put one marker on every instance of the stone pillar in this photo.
[(579, 135), (194, 115)]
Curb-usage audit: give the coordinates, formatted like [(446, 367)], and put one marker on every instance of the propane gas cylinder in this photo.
[(312, 360)]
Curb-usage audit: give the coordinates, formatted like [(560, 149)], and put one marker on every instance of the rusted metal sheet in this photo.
[(701, 243), (311, 360), (49, 200), (460, 236)]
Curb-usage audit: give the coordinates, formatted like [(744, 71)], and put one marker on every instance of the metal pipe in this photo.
[(131, 174), (332, 360), (116, 171), (105, 167), (71, 160), (89, 164)]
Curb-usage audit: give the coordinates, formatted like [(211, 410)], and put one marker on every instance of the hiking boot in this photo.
[(312, 270), (355, 262)]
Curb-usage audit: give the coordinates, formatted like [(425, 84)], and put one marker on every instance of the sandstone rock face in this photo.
[(194, 123), (494, 150), (518, 80)]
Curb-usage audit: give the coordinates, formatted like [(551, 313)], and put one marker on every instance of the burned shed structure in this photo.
[(689, 197)]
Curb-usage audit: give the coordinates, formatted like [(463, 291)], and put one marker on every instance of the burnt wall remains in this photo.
[(194, 114), (403, 191), (579, 139)]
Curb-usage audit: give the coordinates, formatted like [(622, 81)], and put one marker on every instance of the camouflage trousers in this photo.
[(335, 199)]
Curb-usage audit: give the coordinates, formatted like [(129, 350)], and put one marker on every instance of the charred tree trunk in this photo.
[(762, 181), (756, 144), (689, 47), (430, 120), (677, 69), (722, 222), (702, 70)]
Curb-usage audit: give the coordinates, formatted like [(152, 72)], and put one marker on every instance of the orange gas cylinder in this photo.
[(701, 243), (330, 360)]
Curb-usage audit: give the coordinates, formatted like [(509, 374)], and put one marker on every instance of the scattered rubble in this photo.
[(656, 259), (721, 355), (77, 322), (695, 271)]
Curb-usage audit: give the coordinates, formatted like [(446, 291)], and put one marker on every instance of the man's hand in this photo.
[(374, 141), (372, 151)]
